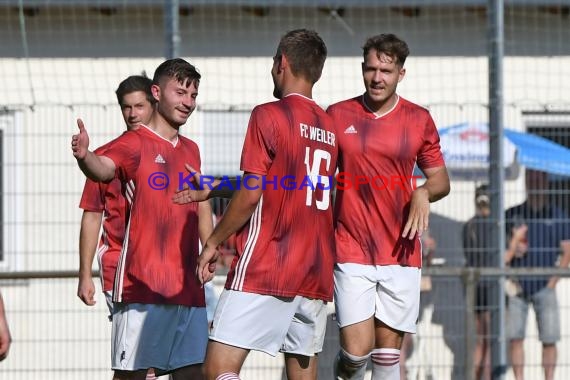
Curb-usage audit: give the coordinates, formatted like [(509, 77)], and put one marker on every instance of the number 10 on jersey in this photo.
[(317, 179)]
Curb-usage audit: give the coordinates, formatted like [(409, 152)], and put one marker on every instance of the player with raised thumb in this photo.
[(96, 168)]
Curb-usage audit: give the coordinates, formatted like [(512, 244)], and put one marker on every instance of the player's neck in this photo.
[(380, 108), (163, 128), (298, 86)]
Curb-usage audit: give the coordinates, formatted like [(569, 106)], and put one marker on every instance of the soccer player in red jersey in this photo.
[(160, 316), (281, 278), (104, 204), (379, 221), (105, 200)]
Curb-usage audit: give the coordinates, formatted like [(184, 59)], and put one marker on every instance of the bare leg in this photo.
[(189, 372), (482, 352), (222, 358), (357, 341), (386, 355), (300, 367), (549, 356), (517, 357)]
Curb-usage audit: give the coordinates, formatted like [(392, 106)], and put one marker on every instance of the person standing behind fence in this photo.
[(547, 246), (381, 138), (478, 251), (160, 316)]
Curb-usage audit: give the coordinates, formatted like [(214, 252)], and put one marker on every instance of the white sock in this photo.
[(386, 364), (228, 376), (349, 367)]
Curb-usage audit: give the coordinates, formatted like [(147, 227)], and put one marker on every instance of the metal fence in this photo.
[(57, 337)]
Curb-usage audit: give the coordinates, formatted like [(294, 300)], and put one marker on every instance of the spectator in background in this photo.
[(478, 250), (547, 246), (5, 337)]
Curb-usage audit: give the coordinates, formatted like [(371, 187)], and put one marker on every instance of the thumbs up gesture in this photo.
[(80, 142)]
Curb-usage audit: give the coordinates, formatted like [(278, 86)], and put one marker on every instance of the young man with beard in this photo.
[(160, 316), (381, 136), (104, 205)]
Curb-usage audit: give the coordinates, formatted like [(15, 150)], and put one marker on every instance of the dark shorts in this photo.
[(483, 298)]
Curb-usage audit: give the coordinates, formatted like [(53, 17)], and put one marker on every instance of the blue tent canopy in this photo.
[(539, 153), (466, 150)]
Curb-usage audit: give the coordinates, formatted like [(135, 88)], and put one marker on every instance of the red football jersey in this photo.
[(158, 261), (107, 199), (287, 248), (377, 156)]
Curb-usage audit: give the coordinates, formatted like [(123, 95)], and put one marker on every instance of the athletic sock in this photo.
[(349, 367), (385, 364), (228, 376)]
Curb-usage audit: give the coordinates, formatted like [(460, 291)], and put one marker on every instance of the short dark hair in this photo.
[(306, 52), (178, 69), (388, 44), (482, 195), (135, 83)]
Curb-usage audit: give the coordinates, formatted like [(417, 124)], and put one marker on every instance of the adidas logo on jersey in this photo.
[(159, 160), (350, 129)]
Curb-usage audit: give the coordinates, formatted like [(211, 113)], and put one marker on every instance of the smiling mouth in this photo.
[(185, 112)]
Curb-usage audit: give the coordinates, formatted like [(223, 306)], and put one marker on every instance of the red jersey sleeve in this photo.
[(430, 155), (125, 151), (93, 197), (260, 143)]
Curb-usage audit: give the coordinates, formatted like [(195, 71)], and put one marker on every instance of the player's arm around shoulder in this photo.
[(205, 221), (241, 208)]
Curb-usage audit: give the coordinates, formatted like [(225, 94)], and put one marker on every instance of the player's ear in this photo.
[(283, 63), (155, 90), (401, 74)]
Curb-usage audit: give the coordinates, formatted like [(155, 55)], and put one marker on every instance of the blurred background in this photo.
[(63, 59)]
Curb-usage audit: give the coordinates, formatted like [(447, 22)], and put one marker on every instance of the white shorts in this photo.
[(165, 337), (389, 292), (109, 300), (270, 324), (212, 296)]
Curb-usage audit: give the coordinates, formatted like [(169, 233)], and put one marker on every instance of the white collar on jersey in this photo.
[(173, 142), (378, 116), (302, 96)]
